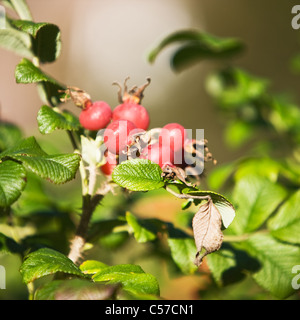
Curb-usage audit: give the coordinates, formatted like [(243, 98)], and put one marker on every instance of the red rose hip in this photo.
[(161, 155), (117, 135), (111, 163), (174, 135), (95, 116), (133, 112)]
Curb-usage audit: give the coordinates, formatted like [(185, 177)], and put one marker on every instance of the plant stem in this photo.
[(30, 288), (89, 205), (187, 196)]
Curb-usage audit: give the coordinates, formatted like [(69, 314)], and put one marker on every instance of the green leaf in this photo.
[(230, 265), (22, 9), (16, 41), (10, 134), (49, 89), (185, 35), (238, 133), (141, 230), (256, 199), (26, 72), (92, 266), (44, 262), (46, 42), (276, 263), (26, 147), (236, 89), (131, 277), (49, 120), (285, 225), (138, 175), (12, 182), (194, 52), (57, 169), (183, 251), (196, 46)]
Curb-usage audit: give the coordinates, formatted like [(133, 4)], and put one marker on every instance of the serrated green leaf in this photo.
[(141, 231), (57, 169), (26, 147), (138, 175), (44, 262), (12, 182), (49, 120), (48, 88), (26, 72), (285, 225), (131, 277), (92, 266), (256, 198), (276, 263)]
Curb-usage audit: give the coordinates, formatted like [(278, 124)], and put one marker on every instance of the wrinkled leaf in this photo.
[(48, 88), (26, 72), (138, 175), (44, 262), (49, 120), (207, 226), (12, 182), (57, 169)]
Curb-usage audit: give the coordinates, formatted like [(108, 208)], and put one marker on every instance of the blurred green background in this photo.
[(105, 41)]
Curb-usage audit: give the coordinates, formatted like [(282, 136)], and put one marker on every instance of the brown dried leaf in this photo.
[(207, 225)]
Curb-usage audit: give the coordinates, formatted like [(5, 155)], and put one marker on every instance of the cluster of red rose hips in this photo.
[(126, 124)]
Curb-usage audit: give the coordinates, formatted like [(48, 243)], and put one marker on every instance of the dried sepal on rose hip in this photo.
[(94, 115), (130, 107)]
